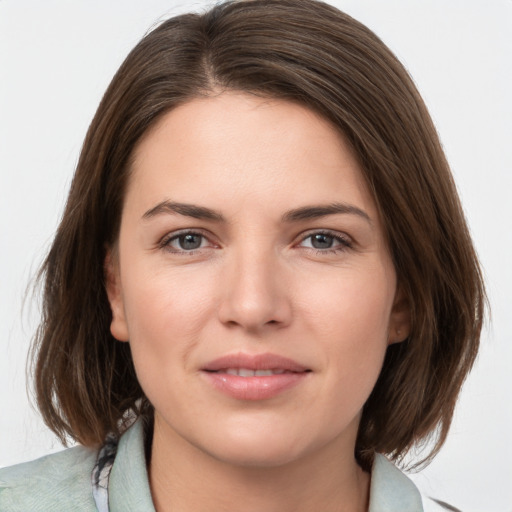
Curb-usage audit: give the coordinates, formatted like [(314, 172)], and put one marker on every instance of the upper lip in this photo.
[(254, 362)]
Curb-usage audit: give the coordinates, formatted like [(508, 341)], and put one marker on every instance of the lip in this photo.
[(256, 387), (265, 361)]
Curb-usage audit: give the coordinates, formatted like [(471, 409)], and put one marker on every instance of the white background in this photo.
[(58, 56)]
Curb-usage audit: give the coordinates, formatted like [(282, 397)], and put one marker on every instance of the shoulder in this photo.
[(393, 491), (61, 481)]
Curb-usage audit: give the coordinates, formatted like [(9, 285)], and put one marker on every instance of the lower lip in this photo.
[(254, 388)]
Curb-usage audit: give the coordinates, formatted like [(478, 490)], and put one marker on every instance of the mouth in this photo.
[(244, 363), (247, 372), (254, 377)]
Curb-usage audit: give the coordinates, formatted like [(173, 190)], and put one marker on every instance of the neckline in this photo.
[(126, 486)]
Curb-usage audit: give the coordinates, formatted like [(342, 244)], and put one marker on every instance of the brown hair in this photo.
[(311, 53)]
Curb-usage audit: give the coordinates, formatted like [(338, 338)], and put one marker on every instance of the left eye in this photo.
[(324, 241), (187, 242)]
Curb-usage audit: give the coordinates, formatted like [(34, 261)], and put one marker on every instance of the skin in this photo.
[(256, 284)]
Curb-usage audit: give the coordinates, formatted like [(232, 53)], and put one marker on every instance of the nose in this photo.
[(255, 296)]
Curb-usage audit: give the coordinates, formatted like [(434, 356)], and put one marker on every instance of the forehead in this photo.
[(242, 149)]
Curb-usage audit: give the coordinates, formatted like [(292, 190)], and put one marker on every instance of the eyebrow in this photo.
[(314, 212), (188, 210), (295, 215)]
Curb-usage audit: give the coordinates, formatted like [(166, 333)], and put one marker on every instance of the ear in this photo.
[(118, 326), (400, 318)]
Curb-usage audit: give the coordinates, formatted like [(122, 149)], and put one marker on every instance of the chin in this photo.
[(256, 455), (262, 446)]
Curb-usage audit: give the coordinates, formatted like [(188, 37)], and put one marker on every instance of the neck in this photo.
[(186, 478)]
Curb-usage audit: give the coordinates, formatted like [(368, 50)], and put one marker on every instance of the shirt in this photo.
[(64, 481)]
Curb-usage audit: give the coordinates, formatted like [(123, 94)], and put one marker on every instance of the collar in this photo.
[(128, 485), (391, 490)]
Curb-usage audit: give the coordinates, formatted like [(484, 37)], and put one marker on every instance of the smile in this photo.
[(254, 377), (247, 372)]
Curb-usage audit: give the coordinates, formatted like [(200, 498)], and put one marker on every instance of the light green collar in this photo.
[(390, 491)]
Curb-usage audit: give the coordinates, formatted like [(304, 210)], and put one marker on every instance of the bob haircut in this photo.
[(310, 53)]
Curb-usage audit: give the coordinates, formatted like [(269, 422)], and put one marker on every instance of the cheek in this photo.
[(165, 311), (165, 314), (350, 316), (353, 305)]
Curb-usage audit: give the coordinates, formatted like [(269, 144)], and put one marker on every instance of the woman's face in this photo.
[(252, 281)]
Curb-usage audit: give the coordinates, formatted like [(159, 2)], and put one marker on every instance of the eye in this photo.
[(321, 241), (188, 241), (325, 241)]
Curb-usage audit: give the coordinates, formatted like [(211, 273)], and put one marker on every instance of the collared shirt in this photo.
[(62, 481)]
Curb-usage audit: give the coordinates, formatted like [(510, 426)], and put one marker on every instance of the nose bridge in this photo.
[(254, 294)]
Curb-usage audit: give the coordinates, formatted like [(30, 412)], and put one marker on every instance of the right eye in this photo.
[(185, 242)]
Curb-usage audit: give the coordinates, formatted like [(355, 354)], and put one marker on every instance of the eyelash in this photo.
[(344, 242), (165, 243)]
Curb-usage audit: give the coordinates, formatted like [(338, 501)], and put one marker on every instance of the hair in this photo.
[(307, 52)]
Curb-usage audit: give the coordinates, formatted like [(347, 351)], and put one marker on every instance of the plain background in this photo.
[(58, 56)]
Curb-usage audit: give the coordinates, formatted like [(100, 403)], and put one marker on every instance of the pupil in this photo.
[(320, 241), (189, 242)]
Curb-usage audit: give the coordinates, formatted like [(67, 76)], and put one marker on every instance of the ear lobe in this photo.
[(118, 326), (400, 318)]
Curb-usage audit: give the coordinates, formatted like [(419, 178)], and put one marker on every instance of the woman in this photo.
[(262, 281)]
